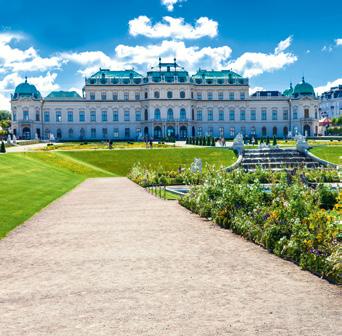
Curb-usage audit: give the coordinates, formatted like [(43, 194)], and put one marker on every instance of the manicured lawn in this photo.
[(120, 162), (27, 185), (329, 153)]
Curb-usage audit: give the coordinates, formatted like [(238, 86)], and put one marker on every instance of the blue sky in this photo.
[(56, 44)]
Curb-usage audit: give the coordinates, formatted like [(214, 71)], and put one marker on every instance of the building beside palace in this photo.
[(166, 102), (331, 103)]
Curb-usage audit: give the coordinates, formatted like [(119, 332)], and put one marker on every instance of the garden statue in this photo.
[(302, 144), (14, 141), (36, 136), (52, 137), (196, 166), (9, 140), (238, 143)]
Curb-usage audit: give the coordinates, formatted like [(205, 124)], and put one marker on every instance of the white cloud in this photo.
[(174, 28), (327, 48), (15, 59), (320, 89), (251, 64), (255, 89), (4, 102), (170, 4), (338, 42)]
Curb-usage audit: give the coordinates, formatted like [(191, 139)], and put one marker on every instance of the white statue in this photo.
[(36, 136), (52, 137), (302, 144), (14, 141), (9, 139), (238, 143), (196, 166)]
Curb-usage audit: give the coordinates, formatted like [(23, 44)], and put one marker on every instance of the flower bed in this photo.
[(293, 221)]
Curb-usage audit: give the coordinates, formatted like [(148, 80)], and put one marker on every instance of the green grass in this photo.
[(329, 153), (120, 162), (27, 185)]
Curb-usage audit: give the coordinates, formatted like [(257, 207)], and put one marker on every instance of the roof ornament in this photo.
[(159, 63), (290, 85), (25, 79), (303, 80)]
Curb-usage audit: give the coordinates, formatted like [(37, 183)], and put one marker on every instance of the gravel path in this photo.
[(110, 259)]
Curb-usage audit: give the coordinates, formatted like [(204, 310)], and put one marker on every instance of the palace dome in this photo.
[(303, 89), (26, 90), (288, 92)]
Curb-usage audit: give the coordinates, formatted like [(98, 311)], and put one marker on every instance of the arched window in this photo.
[(170, 114), (263, 131), (286, 131), (59, 133), (46, 133), (157, 132), (157, 114), (275, 131), (71, 133), (232, 132), (183, 132), (307, 130), (146, 114), (156, 94), (169, 94), (182, 94), (253, 130), (182, 114), (82, 133), (170, 131)]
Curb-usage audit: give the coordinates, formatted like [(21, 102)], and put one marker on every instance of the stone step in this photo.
[(287, 159)]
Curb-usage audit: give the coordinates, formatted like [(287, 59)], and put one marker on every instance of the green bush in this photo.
[(2, 147)]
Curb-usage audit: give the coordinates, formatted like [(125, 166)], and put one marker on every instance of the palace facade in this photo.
[(166, 102)]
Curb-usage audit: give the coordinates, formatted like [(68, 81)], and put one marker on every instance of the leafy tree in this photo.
[(5, 115)]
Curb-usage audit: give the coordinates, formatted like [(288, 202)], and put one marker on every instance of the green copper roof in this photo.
[(288, 92), (26, 90), (215, 74), (106, 73), (303, 89), (64, 95)]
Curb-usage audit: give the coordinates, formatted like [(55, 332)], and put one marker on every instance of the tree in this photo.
[(2, 147), (267, 140), (274, 140), (5, 115)]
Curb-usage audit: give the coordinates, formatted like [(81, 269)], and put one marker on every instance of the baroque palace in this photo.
[(167, 102)]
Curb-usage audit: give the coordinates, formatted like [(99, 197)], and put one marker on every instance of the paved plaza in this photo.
[(108, 258)]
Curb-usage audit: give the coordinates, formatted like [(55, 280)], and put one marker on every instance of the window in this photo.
[(182, 94), (71, 133), (274, 115), (104, 117), (105, 133), (115, 116), (199, 115), (169, 114), (115, 96), (263, 131), (93, 116), (116, 133), (59, 133), (210, 96), (126, 95), (93, 132), (210, 115), (231, 115), (157, 114), (37, 115), (182, 114), (199, 131), (231, 95), (285, 115), (243, 130), (138, 132), (232, 132), (58, 116), (82, 133), (210, 131), (306, 113), (82, 116), (92, 95), (199, 95), (253, 115), (137, 96), (169, 94), (127, 132), (103, 96), (242, 96), (146, 94), (253, 130), (156, 94), (295, 112), (126, 116), (220, 95), (137, 116), (14, 116), (146, 114), (70, 116), (221, 115), (221, 132), (26, 115), (263, 115), (275, 131), (242, 115)]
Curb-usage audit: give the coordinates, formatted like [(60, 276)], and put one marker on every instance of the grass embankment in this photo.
[(30, 181), (329, 153), (120, 162)]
